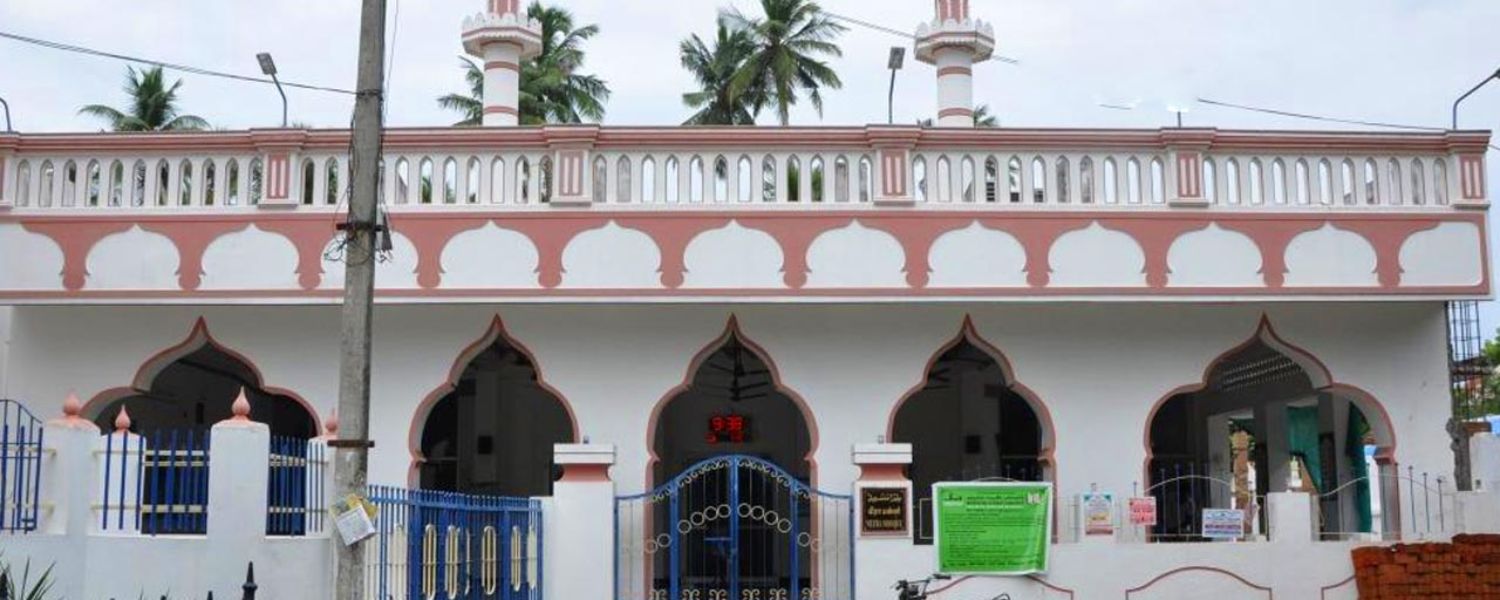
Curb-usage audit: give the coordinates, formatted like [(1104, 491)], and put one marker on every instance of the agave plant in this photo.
[(24, 588)]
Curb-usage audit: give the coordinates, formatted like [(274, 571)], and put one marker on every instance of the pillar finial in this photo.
[(122, 421), (331, 425), (72, 407), (241, 407)]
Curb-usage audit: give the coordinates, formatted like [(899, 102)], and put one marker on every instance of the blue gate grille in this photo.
[(20, 467), (734, 528), (454, 546)]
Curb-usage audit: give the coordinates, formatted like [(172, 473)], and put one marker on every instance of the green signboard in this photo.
[(1002, 528)]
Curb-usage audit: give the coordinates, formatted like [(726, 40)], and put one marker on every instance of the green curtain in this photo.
[(1302, 431), (1354, 446)]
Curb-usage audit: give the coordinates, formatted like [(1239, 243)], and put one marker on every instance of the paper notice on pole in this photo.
[(353, 520)]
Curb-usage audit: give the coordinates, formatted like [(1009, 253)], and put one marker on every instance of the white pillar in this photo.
[(502, 36), (1484, 456), (953, 42), (238, 479), (884, 553), (955, 86), (579, 549), (1291, 521), (502, 84), (68, 484)]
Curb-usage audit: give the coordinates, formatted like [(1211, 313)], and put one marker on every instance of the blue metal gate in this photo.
[(432, 545), (734, 528), (20, 467)]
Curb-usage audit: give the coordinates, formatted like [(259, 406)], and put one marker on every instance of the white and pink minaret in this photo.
[(953, 42), (502, 37)]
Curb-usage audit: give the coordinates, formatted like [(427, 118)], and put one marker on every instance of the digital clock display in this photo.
[(728, 429)]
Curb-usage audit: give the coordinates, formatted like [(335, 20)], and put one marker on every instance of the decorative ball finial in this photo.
[(331, 425), (241, 407), (122, 421), (72, 407)]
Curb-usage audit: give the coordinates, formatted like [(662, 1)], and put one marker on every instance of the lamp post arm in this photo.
[(1466, 95), (281, 91), (6, 105), (890, 101)]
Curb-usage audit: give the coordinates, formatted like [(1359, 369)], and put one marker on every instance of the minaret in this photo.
[(953, 42), (502, 37)]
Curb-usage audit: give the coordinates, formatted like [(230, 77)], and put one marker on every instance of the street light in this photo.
[(268, 66), (898, 58), (1466, 95), (7, 115)]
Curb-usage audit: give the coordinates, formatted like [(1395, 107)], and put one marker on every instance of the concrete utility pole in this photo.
[(352, 451)]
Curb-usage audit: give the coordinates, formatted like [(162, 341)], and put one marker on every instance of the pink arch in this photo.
[(732, 330), (198, 338), (496, 332), (968, 333), (1236, 576), (1317, 371)]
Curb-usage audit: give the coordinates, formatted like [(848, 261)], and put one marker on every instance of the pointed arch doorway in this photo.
[(732, 511)]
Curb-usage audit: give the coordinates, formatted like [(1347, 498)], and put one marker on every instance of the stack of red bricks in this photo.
[(1467, 568)]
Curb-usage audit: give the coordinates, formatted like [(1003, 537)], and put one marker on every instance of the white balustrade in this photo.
[(1002, 175)]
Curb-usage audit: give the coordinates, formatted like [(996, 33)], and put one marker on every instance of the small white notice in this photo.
[(352, 517), (1223, 524)]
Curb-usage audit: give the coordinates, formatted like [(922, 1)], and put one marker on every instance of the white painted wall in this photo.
[(5, 317), (1098, 369)]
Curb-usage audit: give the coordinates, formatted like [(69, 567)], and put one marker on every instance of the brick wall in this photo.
[(1467, 568)]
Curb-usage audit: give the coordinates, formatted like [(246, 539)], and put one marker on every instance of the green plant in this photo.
[(24, 588)]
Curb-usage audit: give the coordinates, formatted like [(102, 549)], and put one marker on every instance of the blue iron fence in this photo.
[(734, 527), (457, 546), (20, 467), (296, 503), (156, 483)]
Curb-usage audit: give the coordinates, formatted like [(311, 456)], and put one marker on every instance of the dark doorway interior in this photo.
[(965, 424), (196, 391), (493, 434)]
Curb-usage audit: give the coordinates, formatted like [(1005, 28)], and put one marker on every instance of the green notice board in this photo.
[(1002, 528)]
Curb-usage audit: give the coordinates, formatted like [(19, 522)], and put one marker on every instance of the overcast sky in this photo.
[(1383, 60)]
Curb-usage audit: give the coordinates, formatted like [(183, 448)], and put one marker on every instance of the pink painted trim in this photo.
[(955, 112), (496, 332), (731, 330), (1471, 177), (498, 65), (1323, 591), (585, 473), (501, 110), (551, 231), (1318, 373), (1036, 578), (967, 332), (949, 71), (882, 473), (1270, 594), (198, 338)]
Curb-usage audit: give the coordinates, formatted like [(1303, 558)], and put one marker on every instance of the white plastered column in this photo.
[(502, 84), (580, 524), (955, 86)]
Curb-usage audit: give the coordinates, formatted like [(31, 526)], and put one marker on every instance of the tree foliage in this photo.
[(789, 43), (153, 105)]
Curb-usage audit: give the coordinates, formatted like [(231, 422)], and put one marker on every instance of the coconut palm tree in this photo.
[(714, 69), (153, 105), (551, 89), (789, 42), (471, 105)]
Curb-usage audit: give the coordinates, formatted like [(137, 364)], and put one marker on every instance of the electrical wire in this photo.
[(903, 34), (173, 66), (1311, 117)]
